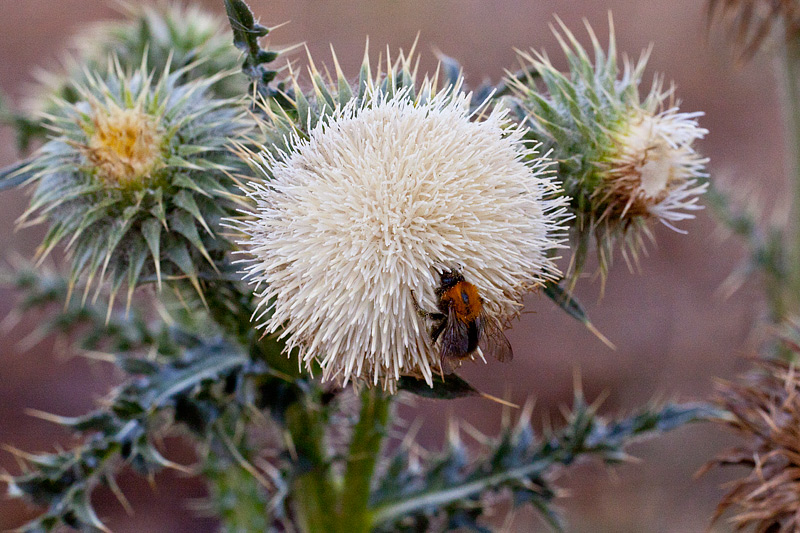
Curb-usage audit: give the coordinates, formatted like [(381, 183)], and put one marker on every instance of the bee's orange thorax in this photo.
[(463, 298)]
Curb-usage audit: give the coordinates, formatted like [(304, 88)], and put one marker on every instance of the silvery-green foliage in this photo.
[(146, 207)]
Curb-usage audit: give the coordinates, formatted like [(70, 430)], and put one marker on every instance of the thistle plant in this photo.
[(762, 405), (763, 409), (172, 37), (752, 21), (330, 243)]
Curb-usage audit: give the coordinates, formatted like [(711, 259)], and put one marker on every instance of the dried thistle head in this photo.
[(751, 21), (765, 409)]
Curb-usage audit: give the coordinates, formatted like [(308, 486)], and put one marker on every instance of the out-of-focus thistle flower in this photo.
[(169, 35), (137, 170), (623, 161), (765, 409), (377, 190), (751, 21)]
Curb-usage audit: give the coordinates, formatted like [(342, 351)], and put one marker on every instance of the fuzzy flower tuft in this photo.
[(356, 220), (135, 177), (623, 161), (124, 145), (654, 172)]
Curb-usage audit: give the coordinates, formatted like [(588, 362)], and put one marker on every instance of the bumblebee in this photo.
[(461, 325)]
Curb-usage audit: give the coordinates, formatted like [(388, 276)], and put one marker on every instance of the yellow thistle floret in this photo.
[(124, 145)]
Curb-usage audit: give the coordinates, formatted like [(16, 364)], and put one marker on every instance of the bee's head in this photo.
[(450, 277)]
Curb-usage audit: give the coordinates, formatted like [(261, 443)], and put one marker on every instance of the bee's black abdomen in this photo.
[(473, 335)]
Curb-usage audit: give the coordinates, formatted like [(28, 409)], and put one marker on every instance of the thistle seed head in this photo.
[(752, 21), (764, 409)]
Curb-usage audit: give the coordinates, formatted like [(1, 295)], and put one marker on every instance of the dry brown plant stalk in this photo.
[(765, 409), (751, 21)]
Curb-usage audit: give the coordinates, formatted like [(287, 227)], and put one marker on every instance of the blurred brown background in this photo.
[(674, 334)]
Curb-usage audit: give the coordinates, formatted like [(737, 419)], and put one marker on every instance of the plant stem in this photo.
[(237, 497), (365, 447), (442, 496), (313, 490), (321, 503), (503, 465), (791, 104)]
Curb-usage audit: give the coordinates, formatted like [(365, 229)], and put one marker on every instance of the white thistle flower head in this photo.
[(355, 222), (655, 171)]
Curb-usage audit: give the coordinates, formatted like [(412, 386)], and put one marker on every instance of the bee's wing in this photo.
[(454, 343), (493, 341)]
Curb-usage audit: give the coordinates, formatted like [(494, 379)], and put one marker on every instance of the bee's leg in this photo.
[(420, 311), (436, 330), (423, 313)]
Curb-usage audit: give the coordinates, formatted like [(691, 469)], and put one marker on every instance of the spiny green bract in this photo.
[(299, 108), (135, 177), (169, 35), (622, 160)]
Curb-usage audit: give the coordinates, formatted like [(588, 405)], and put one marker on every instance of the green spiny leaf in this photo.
[(183, 223), (245, 30), (15, 175), (151, 231), (565, 301)]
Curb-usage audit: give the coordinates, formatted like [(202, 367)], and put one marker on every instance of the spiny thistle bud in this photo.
[(765, 410), (623, 161), (137, 169), (168, 35), (376, 193)]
